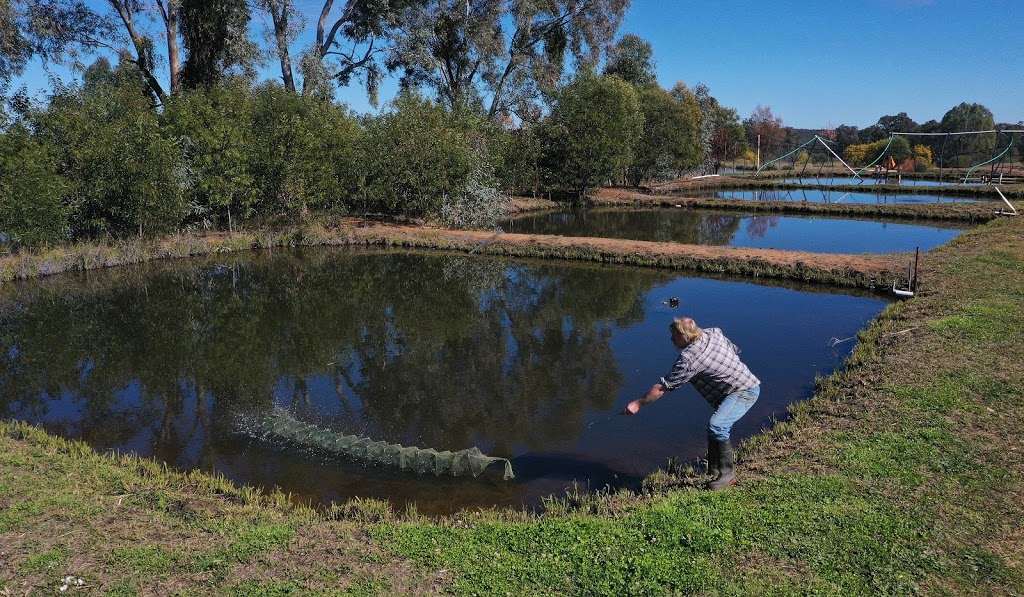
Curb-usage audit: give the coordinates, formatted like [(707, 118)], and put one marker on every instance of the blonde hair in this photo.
[(687, 328)]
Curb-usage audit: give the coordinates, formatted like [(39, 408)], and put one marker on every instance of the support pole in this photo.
[(917, 257), (855, 174), (1013, 210)]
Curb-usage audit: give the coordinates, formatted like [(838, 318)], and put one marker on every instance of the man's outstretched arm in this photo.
[(656, 391)]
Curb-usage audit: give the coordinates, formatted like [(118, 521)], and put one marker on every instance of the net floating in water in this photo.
[(418, 460)]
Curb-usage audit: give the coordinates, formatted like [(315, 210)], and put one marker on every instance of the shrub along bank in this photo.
[(904, 473), (98, 161)]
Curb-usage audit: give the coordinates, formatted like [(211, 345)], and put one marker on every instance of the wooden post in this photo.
[(917, 257)]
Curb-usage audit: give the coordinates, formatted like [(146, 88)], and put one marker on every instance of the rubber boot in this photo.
[(713, 458), (726, 475)]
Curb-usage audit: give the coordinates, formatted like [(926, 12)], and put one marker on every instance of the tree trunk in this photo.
[(170, 17), (279, 10), (142, 58)]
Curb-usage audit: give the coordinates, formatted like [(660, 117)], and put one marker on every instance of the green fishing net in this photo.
[(418, 460)]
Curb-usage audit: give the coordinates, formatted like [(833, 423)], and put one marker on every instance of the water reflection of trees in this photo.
[(694, 227), (440, 351), (758, 226)]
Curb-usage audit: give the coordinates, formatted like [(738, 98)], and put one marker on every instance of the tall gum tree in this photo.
[(215, 34), (143, 56), (510, 52), (353, 39), (632, 60), (285, 26), (58, 31)]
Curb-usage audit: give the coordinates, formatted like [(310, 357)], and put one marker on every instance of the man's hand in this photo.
[(656, 391)]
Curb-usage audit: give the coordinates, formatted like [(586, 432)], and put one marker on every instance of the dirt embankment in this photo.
[(676, 196), (844, 270)]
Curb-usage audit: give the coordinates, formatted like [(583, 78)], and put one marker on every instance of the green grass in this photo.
[(44, 562), (903, 475), (684, 543), (146, 559)]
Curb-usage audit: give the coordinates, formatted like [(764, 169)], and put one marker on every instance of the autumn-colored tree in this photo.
[(767, 127)]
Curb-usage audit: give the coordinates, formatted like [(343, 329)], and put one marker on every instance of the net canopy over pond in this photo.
[(470, 461)]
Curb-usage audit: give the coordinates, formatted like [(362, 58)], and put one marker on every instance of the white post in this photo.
[(855, 175), (1013, 210)]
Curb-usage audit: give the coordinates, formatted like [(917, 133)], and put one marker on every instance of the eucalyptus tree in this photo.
[(510, 52), (721, 133), (670, 141), (591, 132), (966, 149), (286, 24), (900, 123), (845, 136), (215, 34), (169, 17), (142, 54), (15, 47), (632, 60), (59, 31), (355, 41)]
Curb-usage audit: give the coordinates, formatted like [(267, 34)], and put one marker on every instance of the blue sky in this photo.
[(822, 62), (842, 61)]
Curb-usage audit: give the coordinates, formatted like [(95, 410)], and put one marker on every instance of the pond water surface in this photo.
[(825, 196), (868, 180), (706, 227), (526, 360)]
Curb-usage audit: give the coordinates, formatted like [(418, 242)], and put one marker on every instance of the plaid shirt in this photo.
[(710, 363)]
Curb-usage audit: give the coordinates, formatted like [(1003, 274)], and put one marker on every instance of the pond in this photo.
[(181, 361), (825, 196), (870, 180), (708, 227)]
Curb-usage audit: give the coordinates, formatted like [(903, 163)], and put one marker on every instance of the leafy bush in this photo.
[(33, 210), (591, 132), (303, 155), (480, 205), (417, 157), (123, 172), (518, 157), (871, 153), (214, 127)]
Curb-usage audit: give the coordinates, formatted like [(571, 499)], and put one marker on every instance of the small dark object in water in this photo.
[(673, 302)]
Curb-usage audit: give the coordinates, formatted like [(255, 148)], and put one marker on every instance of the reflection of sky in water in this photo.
[(868, 180), (821, 235), (825, 196), (179, 361)]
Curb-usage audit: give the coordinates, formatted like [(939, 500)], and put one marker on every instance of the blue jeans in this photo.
[(733, 407)]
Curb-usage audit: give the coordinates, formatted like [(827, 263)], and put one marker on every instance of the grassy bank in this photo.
[(853, 271), (903, 474), (976, 212), (773, 179)]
